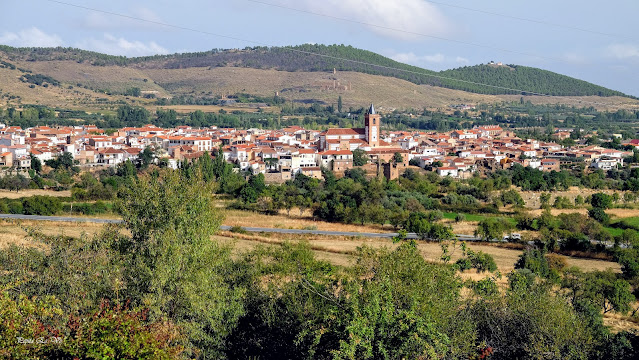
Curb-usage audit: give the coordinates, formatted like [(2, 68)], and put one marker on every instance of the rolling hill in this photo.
[(302, 73)]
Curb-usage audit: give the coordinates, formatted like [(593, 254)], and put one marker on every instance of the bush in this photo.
[(562, 202), (476, 260), (493, 228), (464, 264), (15, 207), (601, 200), (556, 262), (511, 197), (482, 261), (525, 222), (485, 287), (535, 261), (435, 215), (41, 205), (599, 214), (460, 217), (238, 229)]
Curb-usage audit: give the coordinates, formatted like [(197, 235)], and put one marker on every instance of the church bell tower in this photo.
[(371, 127)]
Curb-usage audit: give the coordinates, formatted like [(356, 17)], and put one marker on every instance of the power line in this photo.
[(312, 53), (409, 32)]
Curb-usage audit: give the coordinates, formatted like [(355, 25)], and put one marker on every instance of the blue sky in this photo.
[(434, 35)]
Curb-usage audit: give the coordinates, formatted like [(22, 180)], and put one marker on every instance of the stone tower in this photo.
[(371, 127)]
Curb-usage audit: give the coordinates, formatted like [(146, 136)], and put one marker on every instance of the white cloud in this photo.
[(410, 17), (623, 51), (99, 21), (461, 60), (437, 58), (411, 58), (109, 44), (32, 37), (574, 58)]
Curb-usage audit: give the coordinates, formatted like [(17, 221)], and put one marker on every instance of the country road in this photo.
[(225, 227)]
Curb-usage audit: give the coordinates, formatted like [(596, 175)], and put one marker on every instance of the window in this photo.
[(374, 121)]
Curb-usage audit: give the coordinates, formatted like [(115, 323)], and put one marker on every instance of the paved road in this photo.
[(58, 218), (224, 227)]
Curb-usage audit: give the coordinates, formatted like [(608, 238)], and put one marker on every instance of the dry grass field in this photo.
[(13, 232), (54, 96), (253, 219), (615, 213), (114, 78), (32, 192), (531, 198)]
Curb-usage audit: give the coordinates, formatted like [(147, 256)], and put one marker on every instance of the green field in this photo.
[(474, 217)]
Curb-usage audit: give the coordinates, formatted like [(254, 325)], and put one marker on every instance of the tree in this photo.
[(64, 161), (418, 224), (271, 162), (126, 170), (476, 260), (398, 158), (360, 158), (512, 197), (601, 200), (41, 205), (339, 104), (599, 214), (134, 91), (173, 267), (36, 164), (146, 157), (492, 228), (535, 261)]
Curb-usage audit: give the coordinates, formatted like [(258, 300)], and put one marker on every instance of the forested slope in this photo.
[(313, 58)]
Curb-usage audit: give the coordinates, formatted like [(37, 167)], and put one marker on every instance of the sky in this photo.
[(591, 40)]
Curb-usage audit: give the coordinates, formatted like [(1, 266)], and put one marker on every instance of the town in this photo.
[(282, 154)]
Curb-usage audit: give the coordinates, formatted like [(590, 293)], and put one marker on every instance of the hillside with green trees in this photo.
[(314, 58), (521, 77)]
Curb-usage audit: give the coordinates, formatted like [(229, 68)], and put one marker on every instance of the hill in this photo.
[(521, 77), (322, 58), (79, 79)]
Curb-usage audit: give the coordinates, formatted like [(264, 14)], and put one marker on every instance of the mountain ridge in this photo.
[(501, 80)]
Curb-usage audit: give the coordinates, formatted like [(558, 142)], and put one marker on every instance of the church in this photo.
[(351, 139)]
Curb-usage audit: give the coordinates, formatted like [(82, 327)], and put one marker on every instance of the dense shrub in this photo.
[(41, 205)]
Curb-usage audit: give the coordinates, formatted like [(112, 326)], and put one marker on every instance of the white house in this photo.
[(451, 171)]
